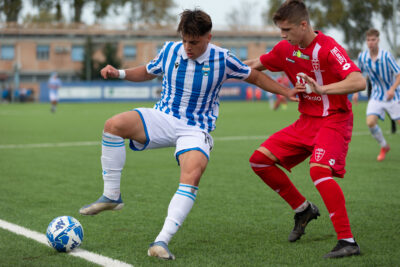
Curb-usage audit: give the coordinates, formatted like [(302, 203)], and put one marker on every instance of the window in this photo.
[(129, 52), (42, 52), (77, 53), (233, 50), (243, 53), (240, 52), (7, 52), (159, 47)]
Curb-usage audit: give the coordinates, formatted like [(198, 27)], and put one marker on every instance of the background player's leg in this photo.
[(372, 122)]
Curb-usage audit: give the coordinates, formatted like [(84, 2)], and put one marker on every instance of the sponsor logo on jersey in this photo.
[(319, 154), (300, 55), (339, 56), (332, 162), (312, 97), (290, 60)]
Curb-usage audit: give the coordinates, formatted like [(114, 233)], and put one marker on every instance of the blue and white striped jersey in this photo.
[(190, 88), (382, 73)]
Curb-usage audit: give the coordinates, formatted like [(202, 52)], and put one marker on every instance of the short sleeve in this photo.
[(340, 63), (360, 62), (155, 66), (235, 68), (392, 63), (272, 60)]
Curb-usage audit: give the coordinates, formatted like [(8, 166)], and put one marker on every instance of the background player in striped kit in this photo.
[(193, 71), (325, 125), (54, 84), (384, 74)]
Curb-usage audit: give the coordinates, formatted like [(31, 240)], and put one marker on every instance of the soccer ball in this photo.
[(64, 233)]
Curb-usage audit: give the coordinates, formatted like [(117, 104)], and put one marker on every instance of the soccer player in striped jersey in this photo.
[(384, 74), (323, 131), (193, 72)]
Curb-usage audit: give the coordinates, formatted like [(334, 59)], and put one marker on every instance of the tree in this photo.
[(110, 57), (352, 18), (88, 72), (239, 17), (10, 9), (150, 12)]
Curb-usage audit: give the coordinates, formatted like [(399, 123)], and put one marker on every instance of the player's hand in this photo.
[(292, 94), (390, 94), (109, 72), (313, 85), (355, 98)]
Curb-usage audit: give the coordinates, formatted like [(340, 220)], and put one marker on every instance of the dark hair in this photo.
[(372, 32), (294, 11), (194, 23)]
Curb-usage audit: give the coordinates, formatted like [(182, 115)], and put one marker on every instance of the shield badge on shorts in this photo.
[(319, 153)]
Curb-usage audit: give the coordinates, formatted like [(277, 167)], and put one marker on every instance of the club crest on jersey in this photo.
[(315, 64), (319, 154), (205, 70), (300, 55), (176, 65)]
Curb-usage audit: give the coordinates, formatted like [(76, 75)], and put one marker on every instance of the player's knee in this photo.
[(318, 172), (260, 160), (114, 126)]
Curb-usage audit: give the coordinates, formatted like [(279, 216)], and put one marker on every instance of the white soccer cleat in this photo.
[(102, 204), (160, 250)]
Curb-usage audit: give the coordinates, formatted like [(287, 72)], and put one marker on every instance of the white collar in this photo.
[(379, 56), (201, 58)]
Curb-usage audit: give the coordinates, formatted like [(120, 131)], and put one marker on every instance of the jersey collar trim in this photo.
[(200, 59)]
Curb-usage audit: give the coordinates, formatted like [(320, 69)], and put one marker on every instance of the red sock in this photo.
[(333, 198), (275, 178)]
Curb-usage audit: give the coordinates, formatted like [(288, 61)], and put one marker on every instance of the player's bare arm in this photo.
[(136, 74), (255, 64), (392, 89), (266, 83), (354, 98), (354, 82)]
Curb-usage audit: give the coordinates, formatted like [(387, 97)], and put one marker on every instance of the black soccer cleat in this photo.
[(301, 219), (343, 249)]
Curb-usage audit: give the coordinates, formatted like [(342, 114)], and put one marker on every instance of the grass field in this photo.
[(46, 171)]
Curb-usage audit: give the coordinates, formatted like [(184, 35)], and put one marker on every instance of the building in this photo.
[(29, 53)]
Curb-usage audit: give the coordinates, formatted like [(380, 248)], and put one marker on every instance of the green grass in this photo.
[(236, 220)]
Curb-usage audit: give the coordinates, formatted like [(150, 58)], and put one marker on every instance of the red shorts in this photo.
[(326, 139)]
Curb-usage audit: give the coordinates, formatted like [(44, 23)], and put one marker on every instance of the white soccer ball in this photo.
[(64, 233)]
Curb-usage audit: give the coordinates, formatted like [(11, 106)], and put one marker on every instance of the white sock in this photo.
[(302, 207), (179, 207), (351, 240), (378, 135), (113, 157)]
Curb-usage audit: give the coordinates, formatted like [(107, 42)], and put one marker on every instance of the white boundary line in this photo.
[(95, 143), (81, 253)]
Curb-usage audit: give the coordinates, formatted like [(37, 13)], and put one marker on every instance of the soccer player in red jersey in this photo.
[(317, 63)]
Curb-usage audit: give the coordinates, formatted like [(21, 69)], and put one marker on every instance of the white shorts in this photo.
[(163, 130), (53, 95), (378, 108)]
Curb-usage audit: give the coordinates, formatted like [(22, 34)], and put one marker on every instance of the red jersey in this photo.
[(324, 60)]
